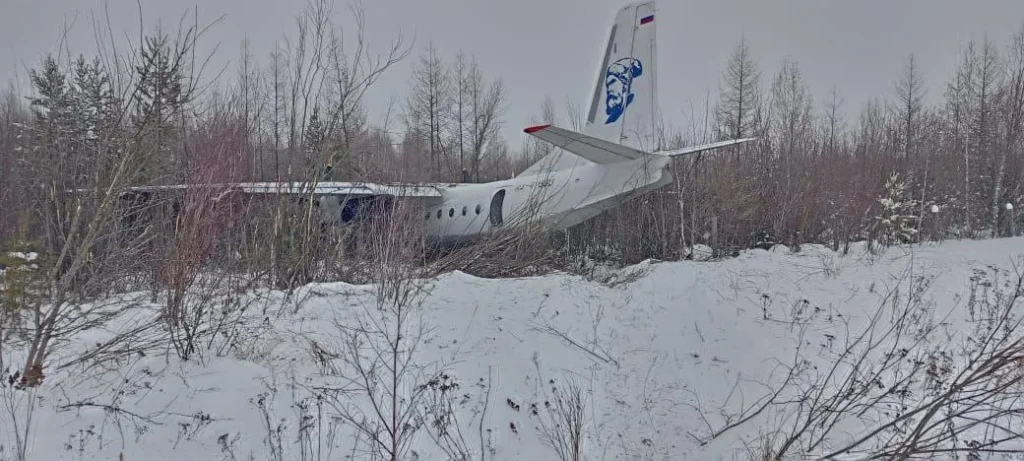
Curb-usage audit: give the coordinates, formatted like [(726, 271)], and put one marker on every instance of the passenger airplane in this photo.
[(591, 172)]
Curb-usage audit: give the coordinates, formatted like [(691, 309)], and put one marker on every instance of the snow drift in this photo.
[(682, 360)]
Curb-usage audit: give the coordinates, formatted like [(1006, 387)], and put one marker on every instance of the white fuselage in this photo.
[(556, 200)]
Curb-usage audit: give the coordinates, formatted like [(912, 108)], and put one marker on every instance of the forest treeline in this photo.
[(895, 170)]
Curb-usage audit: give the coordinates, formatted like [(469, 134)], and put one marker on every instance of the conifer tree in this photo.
[(159, 101), (739, 95)]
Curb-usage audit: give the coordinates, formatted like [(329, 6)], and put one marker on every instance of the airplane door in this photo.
[(497, 201)]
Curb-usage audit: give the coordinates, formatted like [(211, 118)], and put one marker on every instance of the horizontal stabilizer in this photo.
[(600, 151), (703, 147), (588, 147)]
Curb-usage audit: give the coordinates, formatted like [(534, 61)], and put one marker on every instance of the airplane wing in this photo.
[(600, 151), (336, 200), (332, 197), (310, 188), (342, 188)]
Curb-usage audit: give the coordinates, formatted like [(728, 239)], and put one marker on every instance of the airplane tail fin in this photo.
[(623, 100)]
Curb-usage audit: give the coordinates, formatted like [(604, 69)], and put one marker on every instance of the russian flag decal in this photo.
[(646, 19)]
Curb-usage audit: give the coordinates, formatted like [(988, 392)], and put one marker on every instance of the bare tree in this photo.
[(317, 88), (910, 92), (833, 122), (428, 109), (956, 114), (792, 113), (12, 114), (792, 129), (486, 104), (910, 111), (739, 94), (983, 91), (908, 389), (352, 74), (462, 90), (1011, 114)]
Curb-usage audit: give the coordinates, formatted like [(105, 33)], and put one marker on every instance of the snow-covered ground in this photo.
[(662, 354)]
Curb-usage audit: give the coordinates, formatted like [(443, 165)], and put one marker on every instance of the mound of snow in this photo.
[(660, 359)]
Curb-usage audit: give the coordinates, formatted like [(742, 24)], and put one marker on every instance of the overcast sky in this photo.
[(551, 47)]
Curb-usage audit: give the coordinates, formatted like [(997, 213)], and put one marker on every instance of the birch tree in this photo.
[(485, 105)]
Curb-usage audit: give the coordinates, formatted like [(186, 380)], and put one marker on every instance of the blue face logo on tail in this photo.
[(618, 83)]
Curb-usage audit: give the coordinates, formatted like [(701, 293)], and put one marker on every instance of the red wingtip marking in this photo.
[(533, 129)]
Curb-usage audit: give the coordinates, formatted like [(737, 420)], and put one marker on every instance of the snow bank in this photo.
[(657, 354)]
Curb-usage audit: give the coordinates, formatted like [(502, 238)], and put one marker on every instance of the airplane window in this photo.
[(438, 214), (463, 211), (428, 215), (451, 212), (478, 209)]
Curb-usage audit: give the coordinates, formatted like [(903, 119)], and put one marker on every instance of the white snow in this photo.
[(664, 340)]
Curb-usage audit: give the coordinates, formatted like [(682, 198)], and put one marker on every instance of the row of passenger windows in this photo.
[(451, 212)]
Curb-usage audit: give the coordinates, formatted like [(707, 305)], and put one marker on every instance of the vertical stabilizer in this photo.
[(622, 107)]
